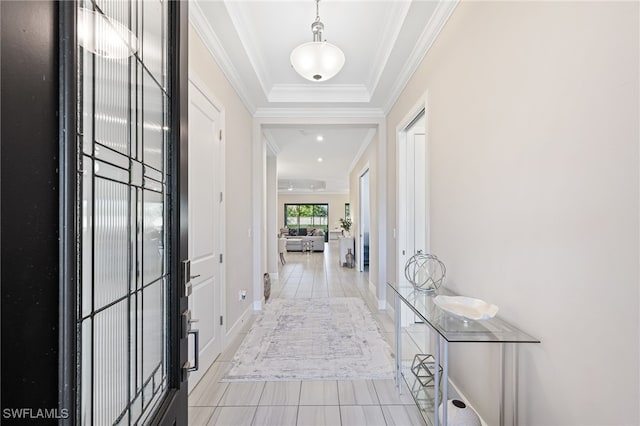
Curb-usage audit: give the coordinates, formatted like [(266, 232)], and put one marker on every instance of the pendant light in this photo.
[(317, 60)]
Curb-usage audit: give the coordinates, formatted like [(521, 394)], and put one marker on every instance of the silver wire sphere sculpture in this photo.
[(425, 271)]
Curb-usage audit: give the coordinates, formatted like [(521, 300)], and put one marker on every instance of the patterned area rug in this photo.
[(313, 339)]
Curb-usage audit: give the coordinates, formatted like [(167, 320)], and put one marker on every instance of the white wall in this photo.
[(532, 111), (272, 215), (238, 140), (369, 158), (336, 205)]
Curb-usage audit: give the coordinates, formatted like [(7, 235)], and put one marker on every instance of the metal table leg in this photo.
[(514, 383), (445, 382), (398, 316), (502, 383), (436, 386)]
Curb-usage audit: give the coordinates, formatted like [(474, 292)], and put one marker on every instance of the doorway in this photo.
[(413, 191), (206, 229), (365, 221)]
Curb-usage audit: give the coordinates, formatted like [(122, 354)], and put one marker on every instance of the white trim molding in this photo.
[(382, 305), (249, 42), (440, 16), (363, 147), (271, 142), (391, 312), (236, 327), (258, 160), (372, 288), (390, 32), (420, 107), (202, 26), (319, 113), (313, 93), (310, 192)]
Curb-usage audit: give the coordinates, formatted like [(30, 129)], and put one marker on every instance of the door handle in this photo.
[(196, 352), (188, 288)]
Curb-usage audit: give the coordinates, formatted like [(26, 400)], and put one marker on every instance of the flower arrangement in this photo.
[(346, 223)]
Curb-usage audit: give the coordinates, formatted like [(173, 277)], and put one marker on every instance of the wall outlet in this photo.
[(242, 295)]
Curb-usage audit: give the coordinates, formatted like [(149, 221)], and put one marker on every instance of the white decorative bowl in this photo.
[(458, 414), (466, 307)]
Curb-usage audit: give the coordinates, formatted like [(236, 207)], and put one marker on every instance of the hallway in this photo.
[(305, 403)]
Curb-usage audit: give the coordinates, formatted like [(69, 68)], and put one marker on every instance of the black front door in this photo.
[(125, 349)]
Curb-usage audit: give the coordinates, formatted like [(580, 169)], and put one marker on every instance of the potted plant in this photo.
[(346, 225)]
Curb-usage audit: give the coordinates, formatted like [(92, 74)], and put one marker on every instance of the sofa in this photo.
[(296, 239)]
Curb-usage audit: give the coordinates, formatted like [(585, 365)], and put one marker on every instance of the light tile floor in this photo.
[(306, 403)]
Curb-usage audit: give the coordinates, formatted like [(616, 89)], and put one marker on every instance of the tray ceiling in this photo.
[(383, 41)]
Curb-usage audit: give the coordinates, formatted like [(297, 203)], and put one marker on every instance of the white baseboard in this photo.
[(391, 313), (257, 305), (372, 288), (237, 326)]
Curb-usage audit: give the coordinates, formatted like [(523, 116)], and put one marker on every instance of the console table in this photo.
[(413, 307)]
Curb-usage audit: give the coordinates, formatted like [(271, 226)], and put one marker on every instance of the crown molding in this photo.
[(389, 37), (440, 16), (363, 147), (249, 43), (312, 93), (202, 26), (311, 113), (317, 193)]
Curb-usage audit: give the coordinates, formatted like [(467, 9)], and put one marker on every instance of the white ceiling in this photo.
[(383, 41), (299, 151)]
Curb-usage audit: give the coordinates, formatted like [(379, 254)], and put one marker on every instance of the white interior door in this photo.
[(413, 199), (206, 228), (413, 226)]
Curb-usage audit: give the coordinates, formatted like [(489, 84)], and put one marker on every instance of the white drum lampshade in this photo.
[(317, 60)]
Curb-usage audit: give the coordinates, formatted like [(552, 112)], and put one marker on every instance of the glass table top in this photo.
[(454, 328)]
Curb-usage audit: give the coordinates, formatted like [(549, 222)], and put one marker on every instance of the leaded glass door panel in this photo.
[(128, 291)]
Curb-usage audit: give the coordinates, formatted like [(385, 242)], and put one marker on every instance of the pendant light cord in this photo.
[(317, 27)]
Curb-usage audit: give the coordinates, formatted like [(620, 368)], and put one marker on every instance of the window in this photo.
[(347, 210), (307, 216)]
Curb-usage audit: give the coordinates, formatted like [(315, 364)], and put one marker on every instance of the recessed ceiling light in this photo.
[(290, 189), (320, 159), (319, 138)]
